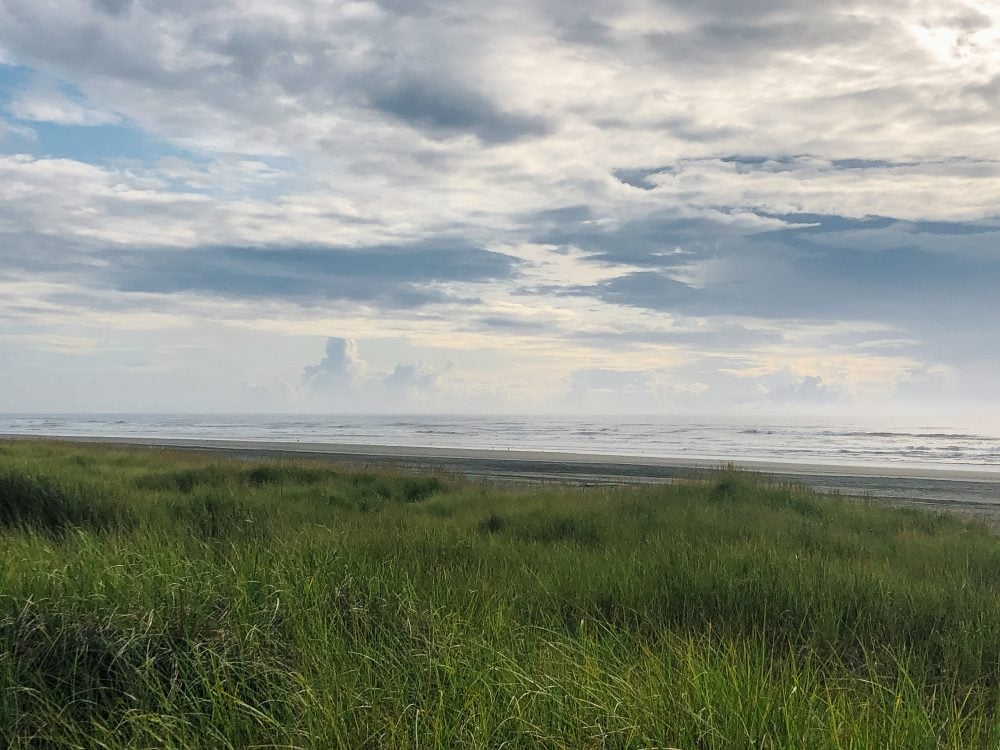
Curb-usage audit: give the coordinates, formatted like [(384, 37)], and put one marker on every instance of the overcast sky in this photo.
[(659, 206)]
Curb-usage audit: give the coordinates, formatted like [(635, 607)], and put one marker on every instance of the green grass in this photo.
[(155, 599)]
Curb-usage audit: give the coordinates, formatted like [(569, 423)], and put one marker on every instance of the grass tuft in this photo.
[(285, 474), (186, 480), (213, 515), (492, 524), (51, 505)]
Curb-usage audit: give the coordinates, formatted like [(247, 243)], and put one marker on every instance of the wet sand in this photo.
[(969, 491)]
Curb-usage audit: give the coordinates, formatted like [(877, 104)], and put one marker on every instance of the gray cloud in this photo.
[(36, 253), (753, 10), (813, 266), (649, 289), (902, 287), (588, 31), (443, 108), (404, 276), (739, 40), (557, 218), (113, 7), (657, 242), (639, 178), (394, 276), (928, 283), (512, 324), (408, 7)]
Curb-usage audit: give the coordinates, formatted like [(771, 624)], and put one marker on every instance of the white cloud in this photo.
[(809, 390), (9, 130), (55, 107), (343, 380), (340, 368)]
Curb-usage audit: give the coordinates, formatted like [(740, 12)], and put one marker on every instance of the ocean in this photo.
[(853, 442)]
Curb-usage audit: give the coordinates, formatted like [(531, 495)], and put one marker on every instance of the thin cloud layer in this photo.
[(645, 204)]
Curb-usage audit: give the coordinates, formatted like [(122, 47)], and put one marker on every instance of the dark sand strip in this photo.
[(968, 491)]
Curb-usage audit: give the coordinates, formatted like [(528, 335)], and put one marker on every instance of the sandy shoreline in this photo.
[(975, 491)]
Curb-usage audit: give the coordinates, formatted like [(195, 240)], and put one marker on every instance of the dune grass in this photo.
[(158, 599)]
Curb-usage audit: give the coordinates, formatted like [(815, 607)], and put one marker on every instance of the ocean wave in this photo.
[(888, 434)]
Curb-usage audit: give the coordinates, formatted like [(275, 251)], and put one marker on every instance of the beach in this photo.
[(973, 492)]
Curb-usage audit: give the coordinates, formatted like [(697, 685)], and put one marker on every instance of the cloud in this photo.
[(344, 380), (418, 377), (755, 40), (923, 276), (57, 108), (546, 187), (809, 389), (390, 276), (616, 381), (267, 396), (850, 186), (443, 108), (63, 219), (639, 177), (340, 367), (312, 67), (605, 390), (648, 289), (113, 7), (10, 131)]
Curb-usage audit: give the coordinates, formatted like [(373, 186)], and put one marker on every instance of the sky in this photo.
[(562, 206)]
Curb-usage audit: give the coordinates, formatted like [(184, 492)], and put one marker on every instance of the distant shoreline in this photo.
[(970, 491)]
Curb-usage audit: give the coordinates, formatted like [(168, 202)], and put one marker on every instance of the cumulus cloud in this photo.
[(612, 390), (340, 367), (343, 380), (809, 389), (682, 390), (412, 377), (267, 396)]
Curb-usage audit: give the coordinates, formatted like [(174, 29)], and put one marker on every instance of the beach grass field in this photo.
[(152, 598)]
